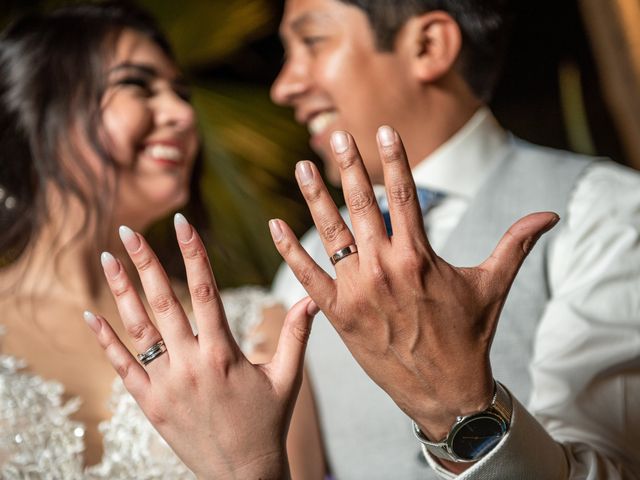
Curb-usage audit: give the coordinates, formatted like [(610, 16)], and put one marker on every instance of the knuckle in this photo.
[(285, 246), (144, 263), (156, 415), (300, 333), (203, 293), (163, 303), (392, 153), (189, 379), (361, 202), (348, 158), (305, 276), (138, 332), (332, 230), (312, 192), (379, 277), (194, 253), (120, 289), (413, 262), (348, 326), (402, 193), (122, 369)]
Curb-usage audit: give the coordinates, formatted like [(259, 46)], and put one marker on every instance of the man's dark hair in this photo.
[(484, 25)]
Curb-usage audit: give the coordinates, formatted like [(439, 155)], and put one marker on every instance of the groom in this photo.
[(565, 355)]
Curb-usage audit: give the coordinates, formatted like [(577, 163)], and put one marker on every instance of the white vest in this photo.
[(368, 436)]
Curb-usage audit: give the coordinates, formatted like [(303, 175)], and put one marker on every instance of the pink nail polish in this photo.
[(129, 239), (184, 231), (110, 265), (92, 321)]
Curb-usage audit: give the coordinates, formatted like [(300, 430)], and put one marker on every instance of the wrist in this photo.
[(472, 436), (268, 467), (436, 420)]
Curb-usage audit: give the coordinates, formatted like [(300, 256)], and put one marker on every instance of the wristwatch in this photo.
[(473, 436)]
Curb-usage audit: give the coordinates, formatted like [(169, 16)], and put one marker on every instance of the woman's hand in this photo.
[(223, 416)]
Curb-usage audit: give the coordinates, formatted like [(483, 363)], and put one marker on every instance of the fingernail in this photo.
[(129, 239), (92, 321), (386, 136), (276, 230), (312, 309), (339, 142), (109, 264), (184, 231), (553, 221), (304, 171)]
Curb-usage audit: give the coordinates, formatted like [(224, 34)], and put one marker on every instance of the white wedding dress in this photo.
[(38, 440)]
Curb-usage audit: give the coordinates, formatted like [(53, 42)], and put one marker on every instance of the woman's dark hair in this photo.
[(51, 80), (485, 27)]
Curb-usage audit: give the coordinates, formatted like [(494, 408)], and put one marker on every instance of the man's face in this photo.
[(335, 79)]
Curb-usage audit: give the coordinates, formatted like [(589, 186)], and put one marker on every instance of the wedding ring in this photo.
[(343, 253), (151, 353)]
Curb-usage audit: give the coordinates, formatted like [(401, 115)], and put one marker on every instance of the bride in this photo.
[(96, 131)]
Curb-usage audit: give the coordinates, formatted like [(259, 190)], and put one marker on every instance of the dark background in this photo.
[(549, 93)]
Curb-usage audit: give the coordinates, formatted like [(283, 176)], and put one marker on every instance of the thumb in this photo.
[(288, 360), (515, 245)]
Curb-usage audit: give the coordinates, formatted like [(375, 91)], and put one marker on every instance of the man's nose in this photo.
[(292, 81)]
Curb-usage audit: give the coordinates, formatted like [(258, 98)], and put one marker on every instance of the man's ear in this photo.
[(433, 40)]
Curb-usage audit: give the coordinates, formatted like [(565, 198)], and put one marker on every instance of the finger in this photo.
[(333, 232), (134, 377), (141, 330), (318, 284), (515, 245), (213, 328), (366, 219), (289, 357), (170, 317), (404, 209)]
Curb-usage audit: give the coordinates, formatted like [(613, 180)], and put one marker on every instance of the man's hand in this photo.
[(223, 416), (419, 327)]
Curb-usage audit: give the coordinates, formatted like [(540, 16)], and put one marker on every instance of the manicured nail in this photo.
[(129, 239), (110, 265), (386, 136), (305, 172), (92, 321), (276, 230), (339, 142), (312, 309), (184, 231)]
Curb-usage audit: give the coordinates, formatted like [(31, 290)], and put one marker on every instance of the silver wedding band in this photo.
[(343, 253), (151, 353)]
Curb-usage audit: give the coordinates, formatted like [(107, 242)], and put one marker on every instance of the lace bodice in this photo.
[(38, 440)]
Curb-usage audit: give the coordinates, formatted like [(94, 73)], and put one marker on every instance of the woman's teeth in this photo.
[(163, 152)]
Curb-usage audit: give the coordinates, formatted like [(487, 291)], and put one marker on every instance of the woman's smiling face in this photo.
[(148, 128)]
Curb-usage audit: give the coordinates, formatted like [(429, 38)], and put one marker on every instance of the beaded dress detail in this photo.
[(38, 440)]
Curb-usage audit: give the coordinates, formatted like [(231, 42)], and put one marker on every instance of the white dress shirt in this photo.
[(583, 418)]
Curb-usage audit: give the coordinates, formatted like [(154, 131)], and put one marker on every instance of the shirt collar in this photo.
[(461, 164)]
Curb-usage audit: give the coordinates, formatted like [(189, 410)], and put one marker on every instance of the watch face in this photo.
[(477, 436)]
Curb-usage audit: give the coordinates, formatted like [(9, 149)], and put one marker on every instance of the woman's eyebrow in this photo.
[(141, 68), (149, 71)]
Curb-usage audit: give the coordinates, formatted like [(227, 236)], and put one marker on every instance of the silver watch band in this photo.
[(500, 410)]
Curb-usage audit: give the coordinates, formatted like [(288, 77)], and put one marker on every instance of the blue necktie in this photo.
[(426, 198)]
